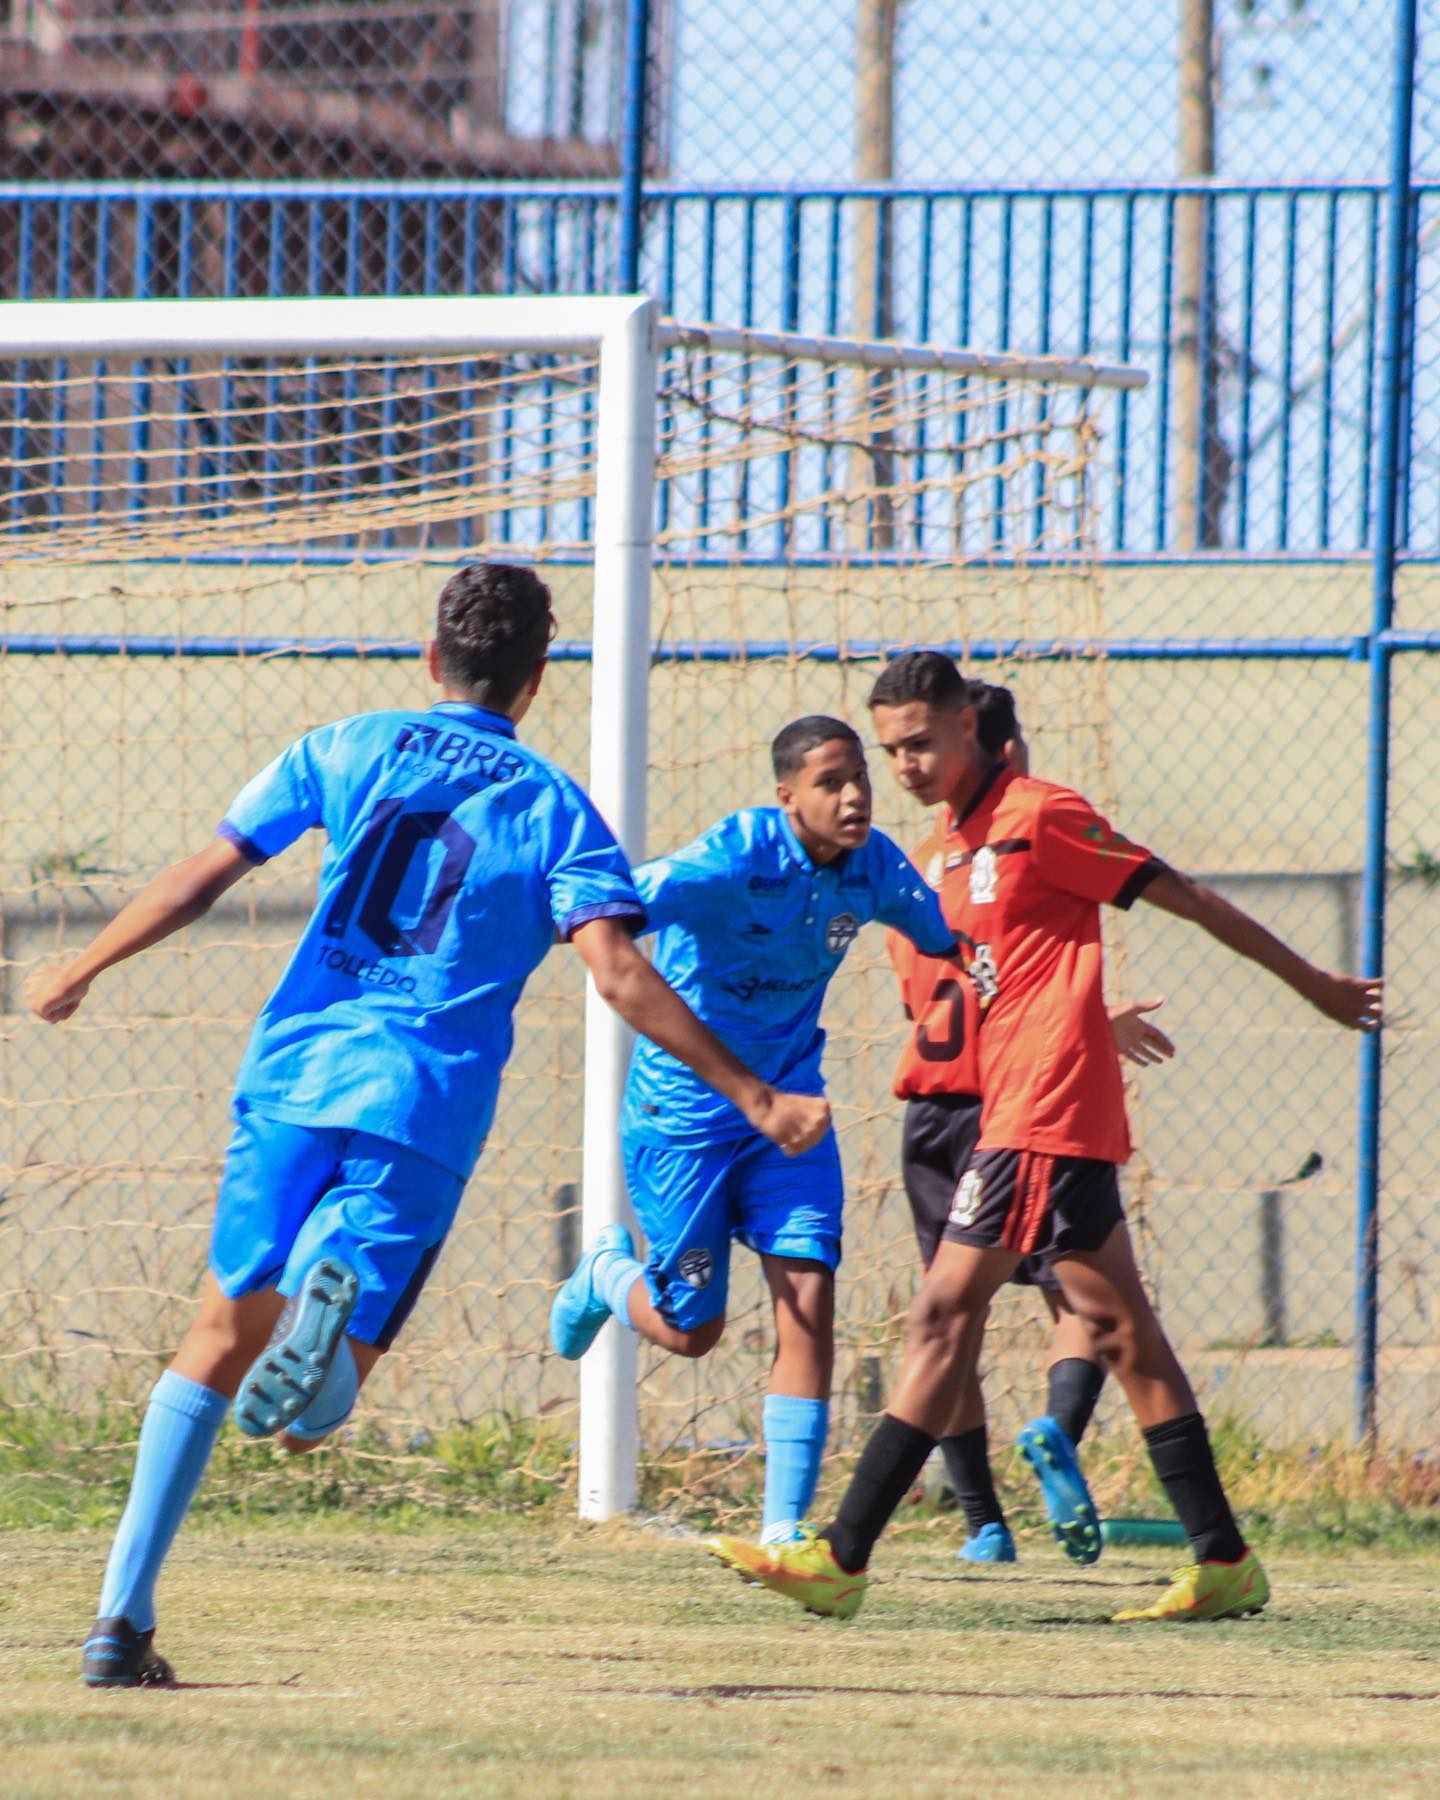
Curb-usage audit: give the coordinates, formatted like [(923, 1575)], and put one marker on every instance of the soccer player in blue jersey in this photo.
[(455, 857), (754, 918)]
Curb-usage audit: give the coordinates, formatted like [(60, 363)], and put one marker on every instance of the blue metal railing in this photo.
[(153, 646), (1288, 337)]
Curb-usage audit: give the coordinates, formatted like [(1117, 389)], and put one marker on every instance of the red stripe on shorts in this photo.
[(1031, 1202)]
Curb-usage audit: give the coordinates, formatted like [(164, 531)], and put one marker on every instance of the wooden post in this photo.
[(875, 26), (1201, 463)]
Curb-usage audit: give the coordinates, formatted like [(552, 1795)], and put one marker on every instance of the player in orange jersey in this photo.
[(939, 1079), (1042, 1179)]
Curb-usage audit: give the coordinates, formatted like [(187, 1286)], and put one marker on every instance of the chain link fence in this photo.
[(1198, 188), (912, 91), (1239, 759)]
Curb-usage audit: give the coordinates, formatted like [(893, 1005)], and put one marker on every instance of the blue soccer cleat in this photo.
[(291, 1370), (117, 1655), (1068, 1506), (578, 1310), (992, 1543)]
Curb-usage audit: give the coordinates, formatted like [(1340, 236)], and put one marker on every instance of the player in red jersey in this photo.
[(939, 1079), (1042, 1179)]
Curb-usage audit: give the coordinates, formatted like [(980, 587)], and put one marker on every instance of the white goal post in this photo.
[(629, 338)]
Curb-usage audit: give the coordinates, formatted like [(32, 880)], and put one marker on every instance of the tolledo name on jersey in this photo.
[(378, 974)]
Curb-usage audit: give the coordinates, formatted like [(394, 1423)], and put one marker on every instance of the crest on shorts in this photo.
[(841, 933), (968, 1195), (982, 876), (696, 1268)]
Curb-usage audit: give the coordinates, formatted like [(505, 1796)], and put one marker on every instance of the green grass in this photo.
[(69, 1471), (515, 1656), (66, 1471)]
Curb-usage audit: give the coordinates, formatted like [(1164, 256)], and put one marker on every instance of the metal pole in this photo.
[(1372, 903), (619, 680), (634, 142)]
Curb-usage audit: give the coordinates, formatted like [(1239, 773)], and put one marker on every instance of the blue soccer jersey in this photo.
[(455, 857), (751, 930)]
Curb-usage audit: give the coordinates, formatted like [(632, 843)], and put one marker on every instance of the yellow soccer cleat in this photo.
[(1208, 1590), (804, 1571)]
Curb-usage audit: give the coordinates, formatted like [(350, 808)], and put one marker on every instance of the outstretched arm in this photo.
[(1349, 1000), (173, 899), (625, 981)]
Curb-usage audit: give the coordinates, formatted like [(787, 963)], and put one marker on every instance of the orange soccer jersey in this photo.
[(941, 1055), (1023, 875)]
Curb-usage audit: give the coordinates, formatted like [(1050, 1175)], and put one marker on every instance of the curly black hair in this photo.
[(492, 629)]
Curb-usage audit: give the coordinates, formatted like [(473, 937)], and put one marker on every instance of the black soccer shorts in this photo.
[(936, 1147), (1042, 1206)]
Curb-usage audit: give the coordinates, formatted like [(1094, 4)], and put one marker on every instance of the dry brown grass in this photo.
[(519, 1658)]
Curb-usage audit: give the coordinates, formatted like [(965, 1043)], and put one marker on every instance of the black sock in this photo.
[(888, 1468), (1180, 1451), (967, 1462), (1075, 1386)]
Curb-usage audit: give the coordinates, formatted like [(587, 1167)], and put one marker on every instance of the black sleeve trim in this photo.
[(1137, 881), (609, 909), (247, 847)]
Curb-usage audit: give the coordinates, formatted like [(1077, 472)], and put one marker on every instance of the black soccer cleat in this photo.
[(117, 1655), (291, 1370)]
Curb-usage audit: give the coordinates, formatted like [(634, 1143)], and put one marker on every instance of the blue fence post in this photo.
[(1393, 383), (634, 142)]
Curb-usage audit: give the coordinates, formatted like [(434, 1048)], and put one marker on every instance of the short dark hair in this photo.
[(492, 629), (996, 720), (926, 675), (794, 742)]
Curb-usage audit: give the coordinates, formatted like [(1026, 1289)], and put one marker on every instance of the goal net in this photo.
[(222, 524)]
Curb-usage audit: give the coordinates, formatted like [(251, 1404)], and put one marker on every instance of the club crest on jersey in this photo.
[(968, 1195), (841, 933), (696, 1268), (982, 877), (984, 973)]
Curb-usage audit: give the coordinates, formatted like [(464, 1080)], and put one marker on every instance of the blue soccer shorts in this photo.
[(692, 1200), (292, 1193)]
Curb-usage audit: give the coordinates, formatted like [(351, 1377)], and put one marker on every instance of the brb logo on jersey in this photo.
[(968, 1195), (696, 1268), (841, 933), (982, 877)]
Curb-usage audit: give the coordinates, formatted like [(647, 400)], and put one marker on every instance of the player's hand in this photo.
[(796, 1122), (51, 994), (1354, 1001), (1136, 1039)]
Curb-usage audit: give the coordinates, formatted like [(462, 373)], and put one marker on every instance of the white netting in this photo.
[(200, 560)]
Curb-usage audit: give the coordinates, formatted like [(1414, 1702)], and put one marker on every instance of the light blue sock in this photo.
[(795, 1432), (181, 1424), (614, 1277)]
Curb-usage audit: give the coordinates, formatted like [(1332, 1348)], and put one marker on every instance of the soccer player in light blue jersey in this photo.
[(454, 858), (754, 918)]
